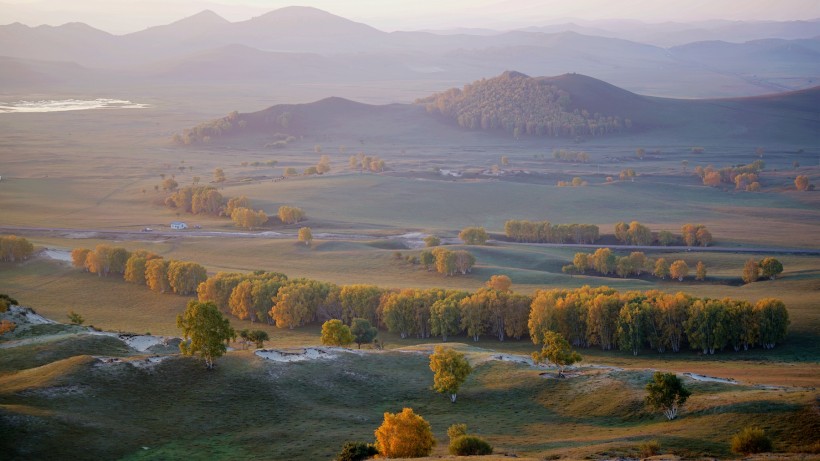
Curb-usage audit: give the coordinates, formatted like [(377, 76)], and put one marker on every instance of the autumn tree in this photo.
[(499, 283), (305, 235), (679, 269), (205, 332), (185, 277), (169, 184), (638, 234), (707, 326), (363, 332), (557, 351), (297, 301), (751, 271), (360, 301), (432, 241), (336, 333), (450, 369), (404, 435), (473, 236), (290, 214), (801, 182), (667, 393), (13, 248), (661, 268), (135, 266), (219, 176), (7, 326), (247, 218), (622, 232), (770, 268), (156, 275), (700, 271), (236, 202), (78, 258)]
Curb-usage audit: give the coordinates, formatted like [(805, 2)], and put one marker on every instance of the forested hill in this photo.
[(568, 105)]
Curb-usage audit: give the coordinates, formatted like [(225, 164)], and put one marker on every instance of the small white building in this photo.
[(178, 225)]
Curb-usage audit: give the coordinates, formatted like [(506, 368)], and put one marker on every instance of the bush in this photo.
[(649, 448), (357, 451), (751, 440), (470, 445)]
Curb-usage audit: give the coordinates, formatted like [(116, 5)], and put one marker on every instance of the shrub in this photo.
[(470, 445), (751, 440), (649, 448), (357, 451)]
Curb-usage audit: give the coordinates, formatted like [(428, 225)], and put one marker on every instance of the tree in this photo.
[(204, 331), (404, 435), (305, 235), (185, 277), (473, 236), (336, 333), (556, 350), (219, 176), (169, 184), (7, 326), (666, 238), (770, 268), (801, 182), (445, 315), (290, 214), (751, 271), (427, 259), (156, 275), (638, 234), (258, 337), (667, 393), (363, 332), (622, 232), (432, 241), (703, 236), (679, 269), (450, 369), (248, 219), (499, 283), (772, 321), (661, 268), (700, 271), (79, 257)]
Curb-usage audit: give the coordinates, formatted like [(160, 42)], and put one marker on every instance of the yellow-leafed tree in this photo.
[(404, 435), (451, 370)]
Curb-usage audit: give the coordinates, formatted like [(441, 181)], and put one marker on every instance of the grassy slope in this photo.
[(254, 409)]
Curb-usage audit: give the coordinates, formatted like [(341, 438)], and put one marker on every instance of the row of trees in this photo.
[(364, 162), (520, 105), (203, 132), (13, 248), (605, 262), (141, 267), (634, 320), (447, 262), (743, 177), (768, 268), (570, 156), (545, 232)]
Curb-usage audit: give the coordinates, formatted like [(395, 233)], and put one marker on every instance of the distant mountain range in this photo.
[(306, 44), (790, 117)]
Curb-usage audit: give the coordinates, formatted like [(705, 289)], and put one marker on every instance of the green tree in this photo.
[(445, 315), (707, 326), (666, 238), (204, 331), (305, 235), (427, 259), (661, 268), (473, 236), (185, 277), (557, 351), (450, 369), (772, 320), (363, 332), (357, 451), (770, 268), (404, 435), (751, 271), (336, 333), (258, 337), (667, 393)]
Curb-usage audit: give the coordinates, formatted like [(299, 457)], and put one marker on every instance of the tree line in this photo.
[(520, 105), (13, 248), (586, 316), (141, 267), (447, 262), (203, 132), (743, 177), (652, 319), (605, 262), (545, 232)]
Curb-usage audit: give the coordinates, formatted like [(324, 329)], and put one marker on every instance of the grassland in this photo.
[(90, 171)]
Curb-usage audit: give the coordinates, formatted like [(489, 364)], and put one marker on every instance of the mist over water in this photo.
[(62, 105)]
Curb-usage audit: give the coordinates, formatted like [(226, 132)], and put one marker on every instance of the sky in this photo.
[(123, 16)]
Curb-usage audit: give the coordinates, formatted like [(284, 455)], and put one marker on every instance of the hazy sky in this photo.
[(120, 16)]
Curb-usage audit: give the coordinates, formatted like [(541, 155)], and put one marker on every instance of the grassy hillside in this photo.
[(81, 408)]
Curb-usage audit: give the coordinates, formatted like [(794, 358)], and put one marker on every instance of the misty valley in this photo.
[(298, 236)]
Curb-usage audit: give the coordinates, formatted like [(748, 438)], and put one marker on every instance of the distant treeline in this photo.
[(633, 233), (520, 105), (210, 129), (629, 321)]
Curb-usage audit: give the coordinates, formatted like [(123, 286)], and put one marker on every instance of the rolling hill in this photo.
[(568, 106)]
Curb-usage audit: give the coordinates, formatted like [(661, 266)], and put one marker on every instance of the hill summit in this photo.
[(519, 104)]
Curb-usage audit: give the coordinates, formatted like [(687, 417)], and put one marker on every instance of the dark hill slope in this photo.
[(569, 105)]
